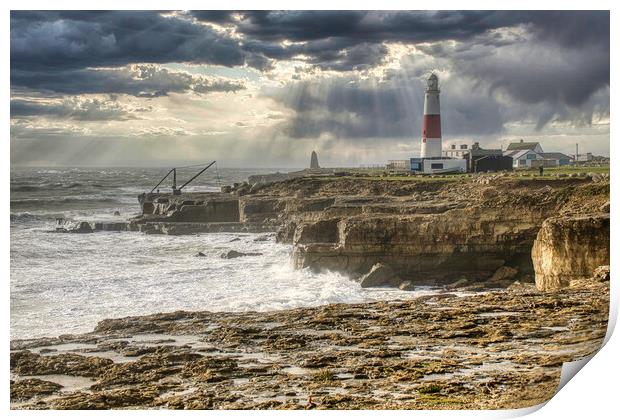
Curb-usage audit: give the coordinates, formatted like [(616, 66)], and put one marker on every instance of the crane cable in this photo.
[(217, 174)]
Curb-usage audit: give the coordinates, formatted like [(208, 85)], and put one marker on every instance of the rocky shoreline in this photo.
[(424, 231), (499, 349), (520, 268)]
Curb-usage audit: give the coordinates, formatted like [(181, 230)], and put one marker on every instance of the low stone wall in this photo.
[(208, 212)]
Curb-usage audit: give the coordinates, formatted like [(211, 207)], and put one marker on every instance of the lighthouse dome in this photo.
[(432, 82)]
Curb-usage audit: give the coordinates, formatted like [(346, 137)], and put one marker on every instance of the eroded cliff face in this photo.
[(570, 248), (428, 230), (455, 231), (422, 248)]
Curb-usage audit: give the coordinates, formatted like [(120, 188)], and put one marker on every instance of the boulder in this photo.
[(380, 275), (458, 284), (82, 227), (236, 254), (601, 273), (407, 286), (570, 248), (597, 178), (201, 254), (503, 273), (255, 187)]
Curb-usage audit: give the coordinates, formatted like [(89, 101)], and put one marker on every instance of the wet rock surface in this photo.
[(380, 275), (498, 349), (237, 254)]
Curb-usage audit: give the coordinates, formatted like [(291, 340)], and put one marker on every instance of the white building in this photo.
[(458, 151), (530, 155), (445, 165), (582, 157), (525, 145)]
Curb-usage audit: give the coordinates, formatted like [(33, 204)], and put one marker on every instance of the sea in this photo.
[(65, 283)]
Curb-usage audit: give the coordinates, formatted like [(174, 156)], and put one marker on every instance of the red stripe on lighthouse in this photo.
[(431, 127)]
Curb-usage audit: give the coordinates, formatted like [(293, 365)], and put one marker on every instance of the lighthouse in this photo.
[(431, 124), (431, 158)]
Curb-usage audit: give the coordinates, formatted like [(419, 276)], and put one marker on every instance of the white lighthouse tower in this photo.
[(431, 125)]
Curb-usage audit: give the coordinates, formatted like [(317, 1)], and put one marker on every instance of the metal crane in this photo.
[(173, 171)]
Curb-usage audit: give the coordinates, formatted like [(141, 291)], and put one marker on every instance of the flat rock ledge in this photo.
[(500, 349)]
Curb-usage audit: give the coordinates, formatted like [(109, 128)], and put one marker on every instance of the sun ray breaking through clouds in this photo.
[(265, 88)]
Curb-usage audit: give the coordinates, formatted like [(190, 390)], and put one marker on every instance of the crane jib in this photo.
[(173, 171)]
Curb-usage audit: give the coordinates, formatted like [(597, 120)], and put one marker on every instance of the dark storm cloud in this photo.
[(389, 110), (559, 65), (568, 77), (349, 40), (334, 40), (139, 80), (73, 40), (571, 28), (565, 27), (365, 26), (214, 16), (78, 39)]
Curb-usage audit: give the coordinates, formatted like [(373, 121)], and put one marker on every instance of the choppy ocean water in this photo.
[(66, 283)]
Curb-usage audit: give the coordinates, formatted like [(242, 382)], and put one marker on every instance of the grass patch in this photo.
[(324, 375), (443, 178), (430, 389), (568, 170), (549, 173)]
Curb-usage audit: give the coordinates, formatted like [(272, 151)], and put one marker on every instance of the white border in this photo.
[(592, 395)]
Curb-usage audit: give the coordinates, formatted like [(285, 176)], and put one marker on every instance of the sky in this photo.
[(265, 88)]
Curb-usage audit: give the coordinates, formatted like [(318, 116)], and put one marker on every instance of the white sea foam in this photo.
[(66, 283)]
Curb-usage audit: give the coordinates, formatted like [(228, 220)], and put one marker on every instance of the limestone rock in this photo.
[(380, 275), (504, 273), (28, 388), (597, 178), (601, 273), (236, 254), (83, 227), (605, 208), (427, 248), (569, 248), (407, 286), (458, 284)]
